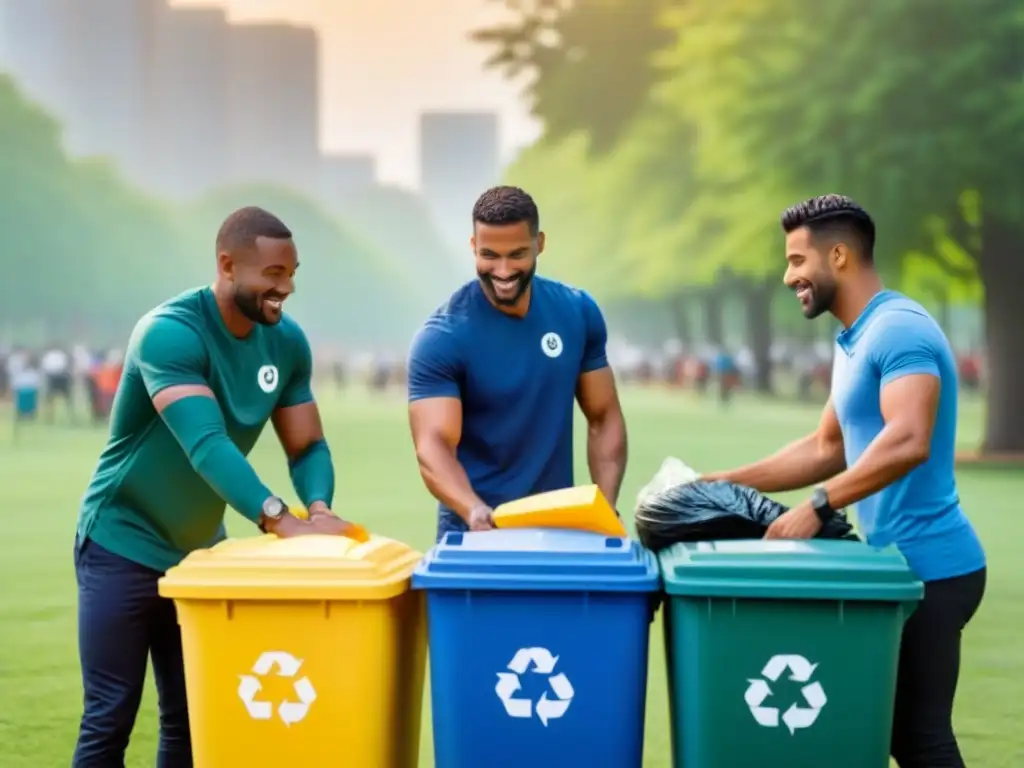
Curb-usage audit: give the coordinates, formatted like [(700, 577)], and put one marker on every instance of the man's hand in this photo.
[(801, 522), (319, 508), (480, 518), (321, 522)]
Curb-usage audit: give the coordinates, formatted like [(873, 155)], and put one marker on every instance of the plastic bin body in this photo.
[(784, 653), (538, 648), (305, 651)]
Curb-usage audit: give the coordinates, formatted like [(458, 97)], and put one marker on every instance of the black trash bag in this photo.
[(716, 510)]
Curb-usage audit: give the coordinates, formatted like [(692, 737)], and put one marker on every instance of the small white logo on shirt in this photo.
[(267, 378), (551, 344)]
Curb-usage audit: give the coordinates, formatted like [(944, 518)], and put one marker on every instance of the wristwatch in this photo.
[(821, 504), (274, 509)]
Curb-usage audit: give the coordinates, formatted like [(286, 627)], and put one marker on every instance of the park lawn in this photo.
[(379, 486)]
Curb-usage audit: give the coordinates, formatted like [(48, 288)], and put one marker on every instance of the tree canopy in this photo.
[(680, 138)]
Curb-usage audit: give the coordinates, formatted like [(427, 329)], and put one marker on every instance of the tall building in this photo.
[(459, 159), (85, 62), (273, 105), (36, 43), (187, 131)]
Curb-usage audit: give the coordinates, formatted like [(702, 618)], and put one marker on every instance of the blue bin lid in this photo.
[(534, 559), (789, 570)]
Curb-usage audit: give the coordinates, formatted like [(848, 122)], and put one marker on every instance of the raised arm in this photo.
[(607, 449), (808, 461), (300, 430), (435, 417)]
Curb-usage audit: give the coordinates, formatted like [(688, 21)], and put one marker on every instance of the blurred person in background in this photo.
[(886, 442), (56, 365), (5, 381), (26, 383), (494, 372), (13, 363), (203, 373)]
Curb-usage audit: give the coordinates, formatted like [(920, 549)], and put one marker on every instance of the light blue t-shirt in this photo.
[(920, 513)]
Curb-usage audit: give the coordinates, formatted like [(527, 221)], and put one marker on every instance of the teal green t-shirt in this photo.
[(145, 501)]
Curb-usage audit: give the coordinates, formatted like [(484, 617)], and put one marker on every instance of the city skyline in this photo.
[(385, 63)]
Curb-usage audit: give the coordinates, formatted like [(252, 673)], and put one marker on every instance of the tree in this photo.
[(903, 105), (589, 62)]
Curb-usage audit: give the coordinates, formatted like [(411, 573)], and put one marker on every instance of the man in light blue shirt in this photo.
[(885, 442)]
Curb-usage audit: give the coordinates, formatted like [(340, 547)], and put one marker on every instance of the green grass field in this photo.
[(46, 472)]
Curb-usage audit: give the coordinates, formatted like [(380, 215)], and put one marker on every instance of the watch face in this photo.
[(273, 507)]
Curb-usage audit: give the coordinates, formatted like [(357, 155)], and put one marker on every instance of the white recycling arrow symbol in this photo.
[(547, 708), (796, 717), (289, 711)]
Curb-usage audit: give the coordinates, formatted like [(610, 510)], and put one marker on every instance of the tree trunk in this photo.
[(681, 320), (1002, 273), (758, 300), (714, 319)]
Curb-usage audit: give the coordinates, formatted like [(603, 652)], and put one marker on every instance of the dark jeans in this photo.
[(448, 521), (922, 735), (122, 621)]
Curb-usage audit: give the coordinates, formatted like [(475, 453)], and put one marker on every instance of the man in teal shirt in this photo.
[(203, 373)]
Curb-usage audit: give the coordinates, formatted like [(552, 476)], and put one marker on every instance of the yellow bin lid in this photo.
[(301, 568), (583, 508)]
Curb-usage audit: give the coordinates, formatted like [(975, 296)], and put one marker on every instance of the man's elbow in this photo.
[(609, 426), (917, 450), (832, 454), (427, 452)]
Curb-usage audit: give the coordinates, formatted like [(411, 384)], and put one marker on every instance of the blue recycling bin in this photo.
[(538, 647)]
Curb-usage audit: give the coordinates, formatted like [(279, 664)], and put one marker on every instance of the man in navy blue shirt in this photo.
[(886, 443), (495, 372)]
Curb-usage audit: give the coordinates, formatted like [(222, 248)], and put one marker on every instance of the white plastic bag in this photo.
[(672, 472)]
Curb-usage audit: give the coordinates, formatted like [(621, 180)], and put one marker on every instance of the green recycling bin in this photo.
[(783, 654)]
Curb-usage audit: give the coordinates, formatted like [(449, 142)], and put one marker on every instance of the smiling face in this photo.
[(506, 260), (262, 278), (811, 272)]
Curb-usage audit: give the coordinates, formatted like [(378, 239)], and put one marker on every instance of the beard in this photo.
[(251, 305), (523, 280), (821, 295)]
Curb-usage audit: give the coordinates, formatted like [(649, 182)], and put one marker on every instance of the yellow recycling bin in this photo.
[(308, 651)]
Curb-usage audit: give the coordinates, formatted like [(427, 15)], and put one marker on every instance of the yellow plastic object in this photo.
[(356, 532), (583, 508), (308, 651)]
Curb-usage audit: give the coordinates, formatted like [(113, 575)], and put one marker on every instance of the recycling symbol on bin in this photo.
[(547, 707), (799, 714), (289, 711)]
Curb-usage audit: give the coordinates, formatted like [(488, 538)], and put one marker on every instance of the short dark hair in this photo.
[(240, 230), (506, 205), (833, 216)]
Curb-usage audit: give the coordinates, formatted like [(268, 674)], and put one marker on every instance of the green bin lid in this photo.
[(788, 570)]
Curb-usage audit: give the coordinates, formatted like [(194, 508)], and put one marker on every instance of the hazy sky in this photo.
[(385, 60)]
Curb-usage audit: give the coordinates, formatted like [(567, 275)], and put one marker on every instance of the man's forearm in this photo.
[(607, 452), (800, 464), (446, 479), (312, 474), (198, 425)]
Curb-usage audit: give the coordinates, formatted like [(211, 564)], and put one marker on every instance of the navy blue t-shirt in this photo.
[(516, 378)]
